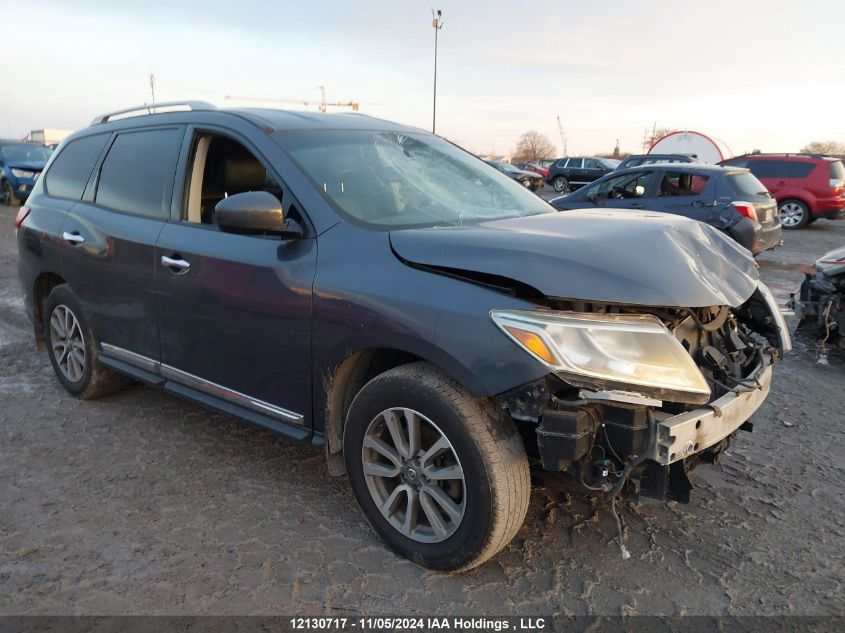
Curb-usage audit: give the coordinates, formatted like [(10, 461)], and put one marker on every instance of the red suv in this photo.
[(806, 186)]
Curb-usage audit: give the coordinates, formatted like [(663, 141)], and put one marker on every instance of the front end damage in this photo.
[(645, 441)]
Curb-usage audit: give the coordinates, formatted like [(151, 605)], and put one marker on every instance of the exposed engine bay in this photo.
[(820, 305), (613, 440)]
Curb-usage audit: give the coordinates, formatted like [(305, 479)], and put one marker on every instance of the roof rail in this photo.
[(153, 108), (799, 154)]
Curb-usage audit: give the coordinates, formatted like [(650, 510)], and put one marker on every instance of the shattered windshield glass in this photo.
[(396, 179)]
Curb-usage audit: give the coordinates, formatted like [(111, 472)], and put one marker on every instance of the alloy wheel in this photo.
[(414, 475), (67, 343), (7, 194), (791, 214)]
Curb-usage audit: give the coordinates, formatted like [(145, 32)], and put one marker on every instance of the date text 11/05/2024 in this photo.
[(419, 623)]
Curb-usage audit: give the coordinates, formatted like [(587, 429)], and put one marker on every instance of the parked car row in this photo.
[(729, 199), (528, 179)]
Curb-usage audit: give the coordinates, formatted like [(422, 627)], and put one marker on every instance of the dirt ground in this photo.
[(141, 503)]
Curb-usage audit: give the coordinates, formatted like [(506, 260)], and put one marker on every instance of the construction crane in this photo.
[(562, 136), (323, 104)]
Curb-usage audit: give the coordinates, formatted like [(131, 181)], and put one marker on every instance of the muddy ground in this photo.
[(141, 503)]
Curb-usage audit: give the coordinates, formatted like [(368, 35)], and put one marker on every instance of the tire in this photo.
[(9, 198), (794, 214), (481, 468), (560, 184), (79, 370)]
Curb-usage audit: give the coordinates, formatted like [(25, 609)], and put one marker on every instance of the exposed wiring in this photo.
[(821, 348), (625, 553), (626, 473), (609, 445)]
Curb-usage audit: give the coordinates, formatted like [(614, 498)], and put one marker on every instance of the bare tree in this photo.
[(533, 146), (655, 135), (832, 148)]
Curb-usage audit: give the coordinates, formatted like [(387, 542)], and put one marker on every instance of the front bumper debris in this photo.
[(680, 436)]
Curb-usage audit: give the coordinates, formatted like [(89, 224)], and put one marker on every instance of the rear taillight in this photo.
[(21, 216), (746, 209), (837, 185)]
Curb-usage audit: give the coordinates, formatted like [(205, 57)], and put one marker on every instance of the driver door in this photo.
[(235, 310)]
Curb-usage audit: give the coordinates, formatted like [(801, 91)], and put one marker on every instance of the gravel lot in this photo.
[(141, 503)]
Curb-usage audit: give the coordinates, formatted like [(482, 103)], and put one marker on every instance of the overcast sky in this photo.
[(766, 74)]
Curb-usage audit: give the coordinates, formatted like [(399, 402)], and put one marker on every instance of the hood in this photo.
[(29, 165), (606, 255), (832, 263)]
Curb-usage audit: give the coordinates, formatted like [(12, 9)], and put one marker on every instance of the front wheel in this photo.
[(9, 198), (440, 476), (793, 214), (560, 184)]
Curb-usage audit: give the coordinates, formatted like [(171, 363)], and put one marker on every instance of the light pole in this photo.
[(437, 23)]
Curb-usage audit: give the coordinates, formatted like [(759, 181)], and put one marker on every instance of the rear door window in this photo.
[(137, 173), (575, 163), (682, 183), (72, 168)]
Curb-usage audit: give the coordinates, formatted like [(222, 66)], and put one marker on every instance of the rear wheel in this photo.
[(9, 198), (560, 184), (72, 349), (440, 476), (793, 214)]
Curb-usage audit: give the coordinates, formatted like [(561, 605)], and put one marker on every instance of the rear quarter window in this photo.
[(71, 169), (746, 184), (837, 170)]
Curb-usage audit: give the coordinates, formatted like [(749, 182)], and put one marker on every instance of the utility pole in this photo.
[(153, 88), (437, 23)]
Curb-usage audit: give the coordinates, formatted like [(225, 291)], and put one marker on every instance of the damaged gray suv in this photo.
[(421, 318)]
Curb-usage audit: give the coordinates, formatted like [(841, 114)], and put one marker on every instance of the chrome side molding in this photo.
[(142, 362), (201, 384)]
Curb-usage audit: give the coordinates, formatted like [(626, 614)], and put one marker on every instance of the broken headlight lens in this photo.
[(608, 351)]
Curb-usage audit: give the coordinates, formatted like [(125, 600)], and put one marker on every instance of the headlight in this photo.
[(23, 173), (608, 351)]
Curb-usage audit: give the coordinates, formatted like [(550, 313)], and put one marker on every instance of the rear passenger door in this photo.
[(108, 239), (575, 170), (593, 170), (682, 193)]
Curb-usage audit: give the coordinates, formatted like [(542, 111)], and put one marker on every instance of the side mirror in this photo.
[(593, 195), (255, 213)]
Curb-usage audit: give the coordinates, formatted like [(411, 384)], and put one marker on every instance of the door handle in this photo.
[(74, 238), (180, 265), (637, 205)]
